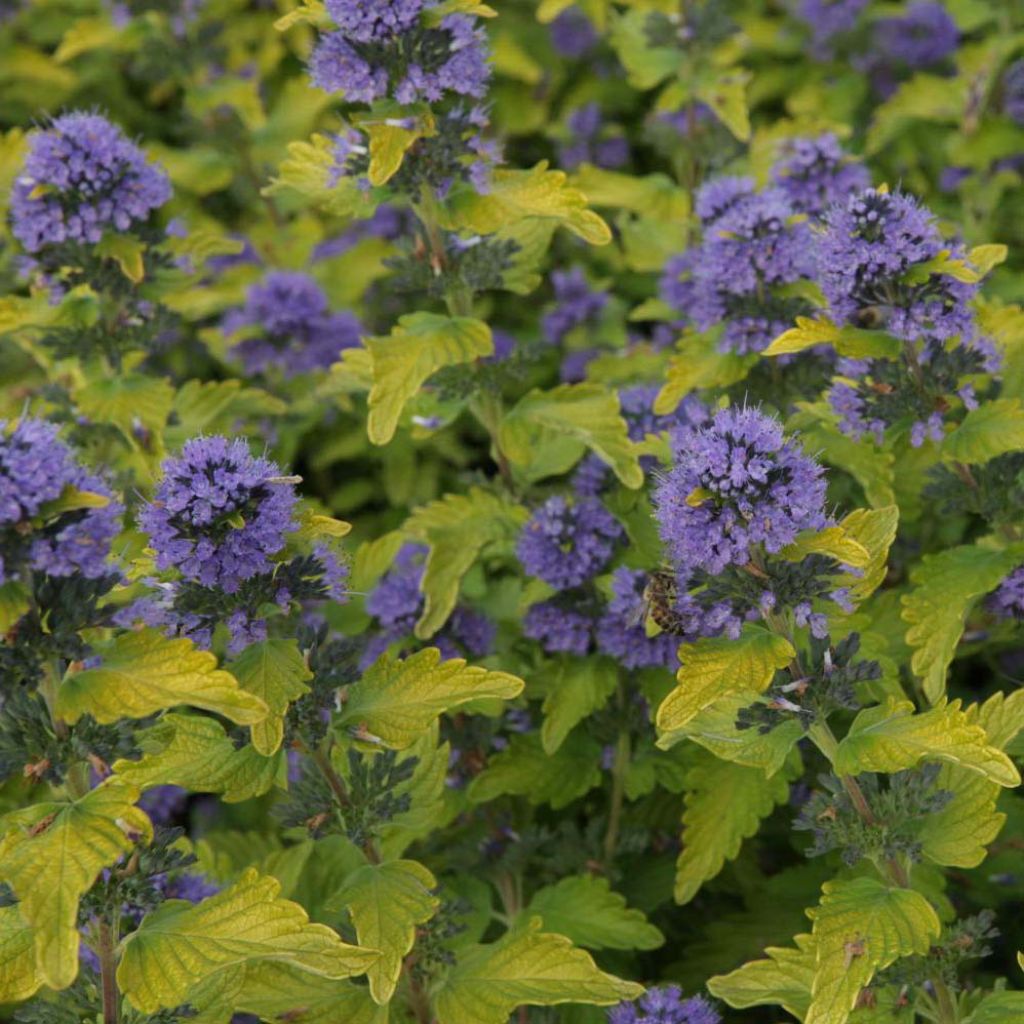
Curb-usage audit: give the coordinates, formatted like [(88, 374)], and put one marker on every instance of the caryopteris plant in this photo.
[(511, 514)]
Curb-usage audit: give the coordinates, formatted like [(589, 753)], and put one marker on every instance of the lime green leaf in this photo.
[(727, 97), (578, 689), (946, 587), (205, 407), (276, 991), (526, 967), (396, 700), (194, 752), (50, 855), (871, 468), (925, 97), (310, 170), (181, 943), (127, 252), (998, 1008), (126, 400), (420, 345), (957, 834), (874, 530), (457, 528), (390, 140), (14, 602), (806, 334), (523, 769), (19, 978), (833, 541), (586, 911), (84, 35), (719, 667), (276, 673), (587, 414), (891, 738), (784, 979), (699, 365), (991, 429), (312, 12), (145, 671), (386, 902), (654, 195), (72, 500), (715, 730), (985, 257), (646, 65), (515, 194), (725, 804), (861, 927)]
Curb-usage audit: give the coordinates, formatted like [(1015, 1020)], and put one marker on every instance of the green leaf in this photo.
[(698, 366), (419, 346), (144, 671), (127, 252), (957, 834), (727, 97), (861, 927), (310, 170), (194, 752), (14, 602), (646, 65), (397, 700), (276, 673), (390, 140), (586, 414), (985, 257), (946, 587), (181, 943), (653, 195), (715, 730), (526, 967), (52, 853), (19, 978), (125, 400), (457, 528), (806, 334), (516, 194), (586, 911), (725, 804), (833, 541), (210, 407), (875, 530), (784, 979), (523, 769), (386, 903), (713, 668), (992, 429), (998, 1008), (579, 688), (891, 738)]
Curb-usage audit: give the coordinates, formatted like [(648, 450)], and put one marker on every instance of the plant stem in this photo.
[(619, 767), (891, 868), (108, 979)]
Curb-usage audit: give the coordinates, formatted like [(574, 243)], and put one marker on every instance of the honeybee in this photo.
[(659, 602)]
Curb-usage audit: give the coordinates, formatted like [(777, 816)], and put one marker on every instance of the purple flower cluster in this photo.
[(36, 468), (81, 178), (621, 631), (573, 34), (828, 20), (736, 484), (665, 1005), (296, 331), (753, 243), (558, 627), (814, 173), (1007, 601), (219, 513), (396, 602), (926, 34), (565, 543), (385, 50), (575, 304), (587, 145), (867, 247), (1013, 91)]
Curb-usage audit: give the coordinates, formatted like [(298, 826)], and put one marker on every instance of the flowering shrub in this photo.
[(511, 512)]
